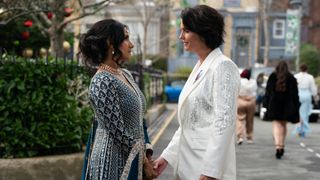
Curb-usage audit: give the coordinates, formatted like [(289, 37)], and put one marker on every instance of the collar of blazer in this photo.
[(192, 83)]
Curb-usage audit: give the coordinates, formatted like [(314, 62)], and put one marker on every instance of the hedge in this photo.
[(43, 108)]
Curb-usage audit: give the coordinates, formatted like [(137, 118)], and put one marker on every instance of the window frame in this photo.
[(275, 29)]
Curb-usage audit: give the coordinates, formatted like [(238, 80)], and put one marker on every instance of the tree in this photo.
[(15, 37), (146, 10), (310, 56), (51, 16), (265, 7)]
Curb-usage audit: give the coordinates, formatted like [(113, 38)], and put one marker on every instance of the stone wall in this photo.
[(59, 167)]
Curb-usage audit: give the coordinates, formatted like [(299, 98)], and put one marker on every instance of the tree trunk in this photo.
[(265, 4), (266, 41), (57, 37), (56, 42)]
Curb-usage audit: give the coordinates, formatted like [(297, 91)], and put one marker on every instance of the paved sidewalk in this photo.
[(257, 161), (301, 160)]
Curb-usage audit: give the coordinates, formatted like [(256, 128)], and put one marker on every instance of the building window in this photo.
[(231, 3), (278, 28)]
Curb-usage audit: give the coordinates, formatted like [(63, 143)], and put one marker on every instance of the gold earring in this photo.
[(112, 52)]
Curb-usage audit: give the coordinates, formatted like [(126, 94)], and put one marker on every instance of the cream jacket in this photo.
[(306, 81), (207, 108)]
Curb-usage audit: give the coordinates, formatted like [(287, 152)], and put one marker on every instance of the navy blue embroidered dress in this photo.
[(118, 141)]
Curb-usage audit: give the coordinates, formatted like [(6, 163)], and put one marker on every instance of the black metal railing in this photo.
[(152, 86)]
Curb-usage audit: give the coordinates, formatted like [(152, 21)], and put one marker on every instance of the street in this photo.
[(257, 161)]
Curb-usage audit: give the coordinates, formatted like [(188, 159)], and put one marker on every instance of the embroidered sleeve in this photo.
[(107, 108), (225, 94)]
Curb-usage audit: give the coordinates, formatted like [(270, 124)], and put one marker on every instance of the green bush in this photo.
[(317, 81), (146, 86), (159, 62), (311, 57), (181, 73), (39, 113)]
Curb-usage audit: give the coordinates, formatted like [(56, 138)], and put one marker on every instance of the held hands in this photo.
[(160, 165), (149, 153)]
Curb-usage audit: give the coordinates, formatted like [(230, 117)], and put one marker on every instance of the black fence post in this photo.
[(141, 83)]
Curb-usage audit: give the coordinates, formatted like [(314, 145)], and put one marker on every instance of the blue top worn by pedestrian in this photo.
[(115, 147)]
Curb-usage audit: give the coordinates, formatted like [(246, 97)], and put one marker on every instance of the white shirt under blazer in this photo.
[(207, 110)]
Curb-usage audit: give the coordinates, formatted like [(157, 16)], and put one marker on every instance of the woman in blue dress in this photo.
[(116, 146)]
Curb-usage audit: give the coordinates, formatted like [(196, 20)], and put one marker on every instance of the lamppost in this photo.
[(297, 4)]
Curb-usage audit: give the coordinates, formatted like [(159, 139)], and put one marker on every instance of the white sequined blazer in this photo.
[(207, 108)]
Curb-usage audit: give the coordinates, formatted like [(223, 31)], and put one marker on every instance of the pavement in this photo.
[(256, 161)]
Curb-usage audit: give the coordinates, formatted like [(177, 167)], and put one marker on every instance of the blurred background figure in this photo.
[(307, 88), (260, 89), (246, 107), (282, 103)]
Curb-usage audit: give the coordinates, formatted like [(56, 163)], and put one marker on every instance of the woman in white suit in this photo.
[(203, 147)]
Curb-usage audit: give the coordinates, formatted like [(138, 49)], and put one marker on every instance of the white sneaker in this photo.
[(239, 141), (249, 141)]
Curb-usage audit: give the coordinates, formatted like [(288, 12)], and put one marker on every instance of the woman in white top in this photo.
[(307, 88), (246, 107), (203, 147)]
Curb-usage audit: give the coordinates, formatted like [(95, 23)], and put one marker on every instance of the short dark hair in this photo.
[(95, 43), (303, 67), (207, 22)]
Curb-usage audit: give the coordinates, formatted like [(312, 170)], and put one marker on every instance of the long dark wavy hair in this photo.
[(282, 72), (95, 43)]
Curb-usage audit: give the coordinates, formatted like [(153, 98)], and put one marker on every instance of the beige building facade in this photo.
[(241, 27)]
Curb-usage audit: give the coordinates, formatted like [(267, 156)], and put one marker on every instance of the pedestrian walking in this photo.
[(116, 146), (246, 107), (307, 88), (203, 147), (282, 103)]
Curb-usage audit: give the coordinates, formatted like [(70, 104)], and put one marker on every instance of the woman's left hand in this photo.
[(203, 177)]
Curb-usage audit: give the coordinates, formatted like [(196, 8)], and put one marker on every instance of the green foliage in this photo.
[(159, 62), (184, 70), (11, 37), (184, 3), (310, 56), (69, 36), (317, 81), (39, 113), (132, 61), (146, 86), (181, 73)]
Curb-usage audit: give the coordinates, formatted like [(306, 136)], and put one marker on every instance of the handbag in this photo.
[(149, 173)]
